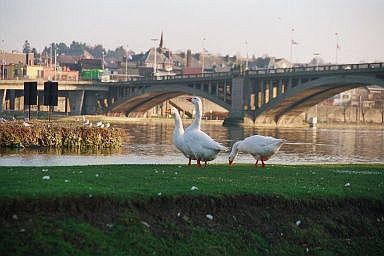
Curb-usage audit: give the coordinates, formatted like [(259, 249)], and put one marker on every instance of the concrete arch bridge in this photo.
[(261, 96)]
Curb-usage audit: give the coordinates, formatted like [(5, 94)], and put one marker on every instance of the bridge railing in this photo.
[(322, 68), (182, 76)]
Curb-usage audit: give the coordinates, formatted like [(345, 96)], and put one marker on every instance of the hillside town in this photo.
[(81, 62)]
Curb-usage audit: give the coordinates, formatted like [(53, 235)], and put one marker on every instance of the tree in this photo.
[(26, 47), (36, 56), (76, 48), (345, 105)]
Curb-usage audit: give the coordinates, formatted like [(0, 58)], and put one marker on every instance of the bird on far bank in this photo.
[(178, 136), (26, 124), (260, 147), (203, 147)]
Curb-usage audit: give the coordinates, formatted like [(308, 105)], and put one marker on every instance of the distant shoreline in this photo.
[(119, 120)]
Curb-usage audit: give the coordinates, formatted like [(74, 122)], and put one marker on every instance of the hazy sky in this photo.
[(226, 25)]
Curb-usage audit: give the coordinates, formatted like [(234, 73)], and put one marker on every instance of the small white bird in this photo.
[(203, 147), (107, 125), (86, 122), (260, 147), (26, 124), (98, 124)]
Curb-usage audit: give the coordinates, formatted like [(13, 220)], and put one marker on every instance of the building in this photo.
[(17, 58)]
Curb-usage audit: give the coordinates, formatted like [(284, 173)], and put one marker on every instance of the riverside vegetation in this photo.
[(58, 135), (181, 210)]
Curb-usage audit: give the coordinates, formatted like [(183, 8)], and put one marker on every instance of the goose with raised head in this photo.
[(178, 136), (203, 147), (260, 147)]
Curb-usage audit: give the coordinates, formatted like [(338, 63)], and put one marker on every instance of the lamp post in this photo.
[(337, 46), (291, 46), (246, 60), (55, 64), (155, 52), (102, 60), (202, 66), (126, 65), (3, 61)]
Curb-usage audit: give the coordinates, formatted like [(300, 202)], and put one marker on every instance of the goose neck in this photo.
[(197, 121)]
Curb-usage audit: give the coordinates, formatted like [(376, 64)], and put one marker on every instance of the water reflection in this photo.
[(152, 143)]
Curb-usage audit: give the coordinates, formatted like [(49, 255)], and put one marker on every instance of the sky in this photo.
[(259, 27)]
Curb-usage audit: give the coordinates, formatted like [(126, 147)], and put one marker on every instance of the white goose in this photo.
[(178, 136), (204, 148), (260, 147)]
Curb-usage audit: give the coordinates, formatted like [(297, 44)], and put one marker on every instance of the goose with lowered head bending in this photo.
[(260, 147)]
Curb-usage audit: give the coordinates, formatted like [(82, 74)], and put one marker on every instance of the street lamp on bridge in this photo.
[(126, 64), (155, 52), (3, 61), (202, 53), (246, 60)]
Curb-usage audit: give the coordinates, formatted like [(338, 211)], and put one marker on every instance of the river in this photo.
[(149, 143)]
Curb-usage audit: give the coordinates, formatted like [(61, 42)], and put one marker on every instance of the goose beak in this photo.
[(230, 162), (189, 99)]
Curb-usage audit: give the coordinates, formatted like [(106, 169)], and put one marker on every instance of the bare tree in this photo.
[(345, 106)]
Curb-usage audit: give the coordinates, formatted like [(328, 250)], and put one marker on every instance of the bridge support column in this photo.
[(279, 88), (239, 102), (2, 99), (11, 97), (90, 102), (270, 89), (76, 99)]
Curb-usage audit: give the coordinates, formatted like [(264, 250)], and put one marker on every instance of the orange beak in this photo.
[(189, 99), (230, 162), (168, 111)]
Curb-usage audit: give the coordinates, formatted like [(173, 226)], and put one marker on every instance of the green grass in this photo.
[(117, 210), (130, 181)]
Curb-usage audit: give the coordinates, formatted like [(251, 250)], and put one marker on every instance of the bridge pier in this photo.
[(89, 104), (11, 97), (2, 99), (240, 102), (76, 99)]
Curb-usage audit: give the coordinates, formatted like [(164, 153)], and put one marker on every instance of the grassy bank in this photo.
[(180, 210), (132, 181)]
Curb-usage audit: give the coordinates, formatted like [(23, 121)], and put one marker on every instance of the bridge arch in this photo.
[(149, 96), (296, 100)]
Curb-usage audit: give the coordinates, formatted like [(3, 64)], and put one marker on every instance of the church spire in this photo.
[(161, 41)]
